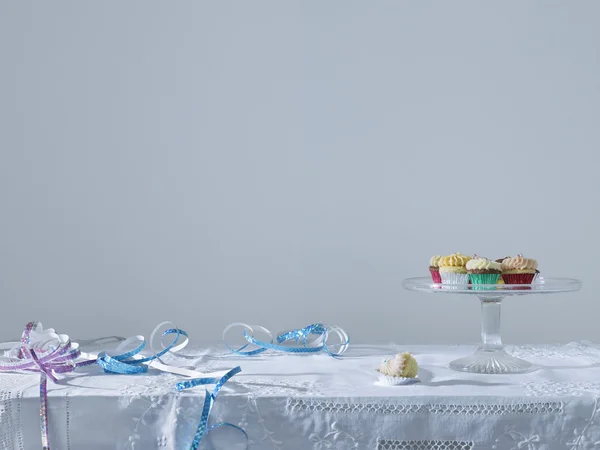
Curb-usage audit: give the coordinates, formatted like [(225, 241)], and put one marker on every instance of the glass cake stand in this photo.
[(490, 357)]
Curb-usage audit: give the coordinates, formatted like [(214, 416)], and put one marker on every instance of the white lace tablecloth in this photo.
[(317, 402)]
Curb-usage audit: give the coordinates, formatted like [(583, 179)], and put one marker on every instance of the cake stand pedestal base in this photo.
[(490, 362), (490, 357)]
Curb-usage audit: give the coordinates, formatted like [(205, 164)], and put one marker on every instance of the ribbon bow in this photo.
[(42, 351), (45, 352)]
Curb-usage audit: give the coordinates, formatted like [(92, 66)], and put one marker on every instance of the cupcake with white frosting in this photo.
[(483, 271), (453, 269), (401, 369), (519, 270)]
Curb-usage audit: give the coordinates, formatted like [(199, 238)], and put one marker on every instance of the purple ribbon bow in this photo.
[(47, 353)]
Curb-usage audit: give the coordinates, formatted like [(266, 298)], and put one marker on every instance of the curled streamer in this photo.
[(318, 332), (127, 358), (210, 398)]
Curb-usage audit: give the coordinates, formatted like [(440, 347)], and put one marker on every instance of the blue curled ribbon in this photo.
[(208, 403), (299, 335), (131, 362)]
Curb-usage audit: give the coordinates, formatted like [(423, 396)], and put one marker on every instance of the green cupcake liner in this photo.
[(483, 278)]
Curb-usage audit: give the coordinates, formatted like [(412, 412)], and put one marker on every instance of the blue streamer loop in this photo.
[(209, 400), (319, 344), (127, 359), (131, 361)]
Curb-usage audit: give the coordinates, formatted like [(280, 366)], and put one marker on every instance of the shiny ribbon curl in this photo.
[(131, 361), (44, 352), (319, 344), (209, 400)]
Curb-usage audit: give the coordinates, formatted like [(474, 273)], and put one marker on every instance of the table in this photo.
[(316, 402)]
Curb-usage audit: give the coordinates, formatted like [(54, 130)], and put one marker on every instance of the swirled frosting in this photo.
[(519, 263), (454, 260), (483, 264), (435, 261), (403, 365)]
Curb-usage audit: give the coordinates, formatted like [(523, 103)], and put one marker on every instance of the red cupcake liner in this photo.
[(518, 278), (435, 276)]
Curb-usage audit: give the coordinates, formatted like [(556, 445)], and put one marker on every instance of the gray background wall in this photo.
[(282, 163)]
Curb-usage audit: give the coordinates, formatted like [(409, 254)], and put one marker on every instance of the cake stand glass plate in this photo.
[(490, 357)]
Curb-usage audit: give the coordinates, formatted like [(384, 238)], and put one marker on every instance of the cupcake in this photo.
[(453, 270), (500, 279), (400, 370), (434, 268), (519, 270), (483, 271)]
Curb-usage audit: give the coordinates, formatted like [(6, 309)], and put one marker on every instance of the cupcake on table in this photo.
[(483, 271), (453, 269), (519, 270), (399, 370)]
